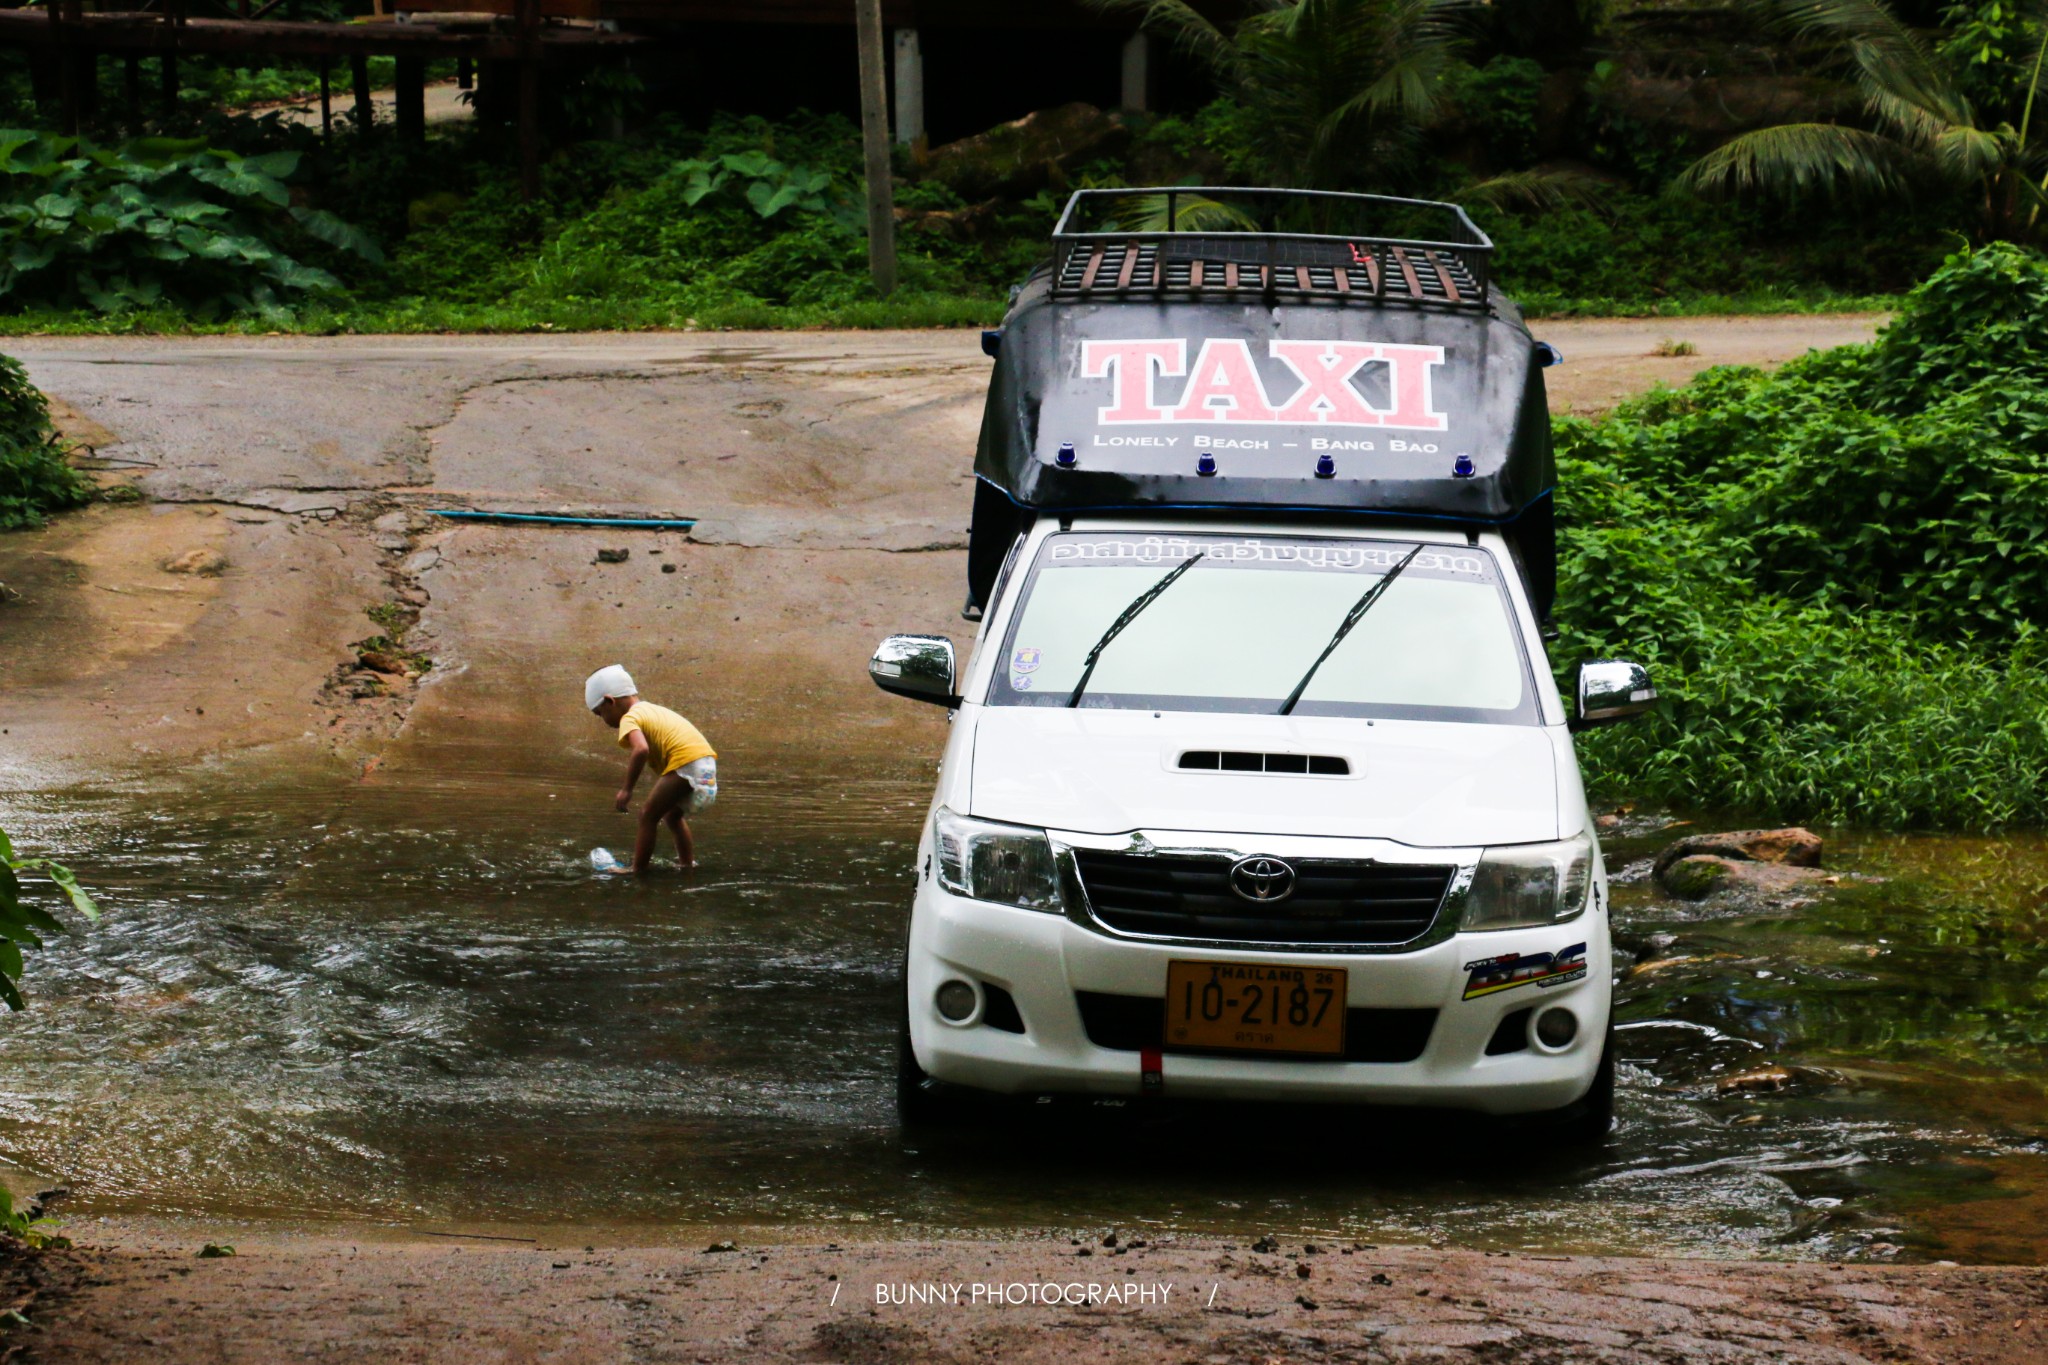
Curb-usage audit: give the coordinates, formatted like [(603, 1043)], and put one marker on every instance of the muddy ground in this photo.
[(1183, 1300), (285, 488)]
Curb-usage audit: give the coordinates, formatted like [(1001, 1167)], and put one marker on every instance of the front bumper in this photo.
[(1047, 964)]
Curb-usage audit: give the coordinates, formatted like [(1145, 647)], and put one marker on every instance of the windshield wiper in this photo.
[(1351, 618), (1130, 614)]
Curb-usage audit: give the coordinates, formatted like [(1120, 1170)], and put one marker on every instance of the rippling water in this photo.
[(412, 1003)]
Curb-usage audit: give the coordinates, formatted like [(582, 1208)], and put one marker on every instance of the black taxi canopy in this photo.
[(1265, 349)]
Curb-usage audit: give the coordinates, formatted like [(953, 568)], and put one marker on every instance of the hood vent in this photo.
[(1244, 761)]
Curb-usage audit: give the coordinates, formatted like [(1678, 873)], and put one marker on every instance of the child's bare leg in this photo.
[(686, 848), (665, 800)]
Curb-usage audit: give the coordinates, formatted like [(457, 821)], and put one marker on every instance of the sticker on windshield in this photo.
[(1021, 682), (1433, 561), (1025, 660)]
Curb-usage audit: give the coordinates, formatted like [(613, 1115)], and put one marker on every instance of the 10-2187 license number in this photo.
[(1255, 1007)]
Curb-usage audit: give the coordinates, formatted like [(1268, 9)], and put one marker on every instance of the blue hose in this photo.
[(534, 518)]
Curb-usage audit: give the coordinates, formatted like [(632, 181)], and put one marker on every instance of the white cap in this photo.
[(611, 681)]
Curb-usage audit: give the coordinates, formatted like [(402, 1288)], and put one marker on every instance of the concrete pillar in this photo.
[(1137, 72), (909, 88)]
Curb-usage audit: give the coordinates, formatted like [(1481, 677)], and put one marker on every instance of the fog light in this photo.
[(956, 1001), (1554, 1028)]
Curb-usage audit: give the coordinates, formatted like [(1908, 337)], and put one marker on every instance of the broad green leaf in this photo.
[(246, 184), (755, 165), (10, 959), (278, 165), (337, 232), (26, 255), (163, 150), (57, 205), (769, 200), (68, 881), (292, 275), (17, 929)]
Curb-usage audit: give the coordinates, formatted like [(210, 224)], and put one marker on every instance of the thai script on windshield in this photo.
[(1346, 556)]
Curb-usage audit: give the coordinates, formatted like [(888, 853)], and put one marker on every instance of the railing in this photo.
[(1438, 256)]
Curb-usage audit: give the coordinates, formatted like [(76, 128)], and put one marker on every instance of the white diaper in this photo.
[(702, 775)]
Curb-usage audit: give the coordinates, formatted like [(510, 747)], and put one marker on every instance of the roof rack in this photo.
[(1213, 241)]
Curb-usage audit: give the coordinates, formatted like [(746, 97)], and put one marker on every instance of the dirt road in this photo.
[(829, 472), (1046, 1301), (287, 486)]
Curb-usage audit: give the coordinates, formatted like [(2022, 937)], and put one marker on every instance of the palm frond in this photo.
[(1190, 213), (1966, 154), (1899, 78), (1181, 25), (1795, 159), (1539, 190)]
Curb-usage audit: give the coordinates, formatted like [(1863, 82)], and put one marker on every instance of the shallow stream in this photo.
[(410, 1003)]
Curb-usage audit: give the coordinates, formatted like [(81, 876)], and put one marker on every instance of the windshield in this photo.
[(1239, 630)]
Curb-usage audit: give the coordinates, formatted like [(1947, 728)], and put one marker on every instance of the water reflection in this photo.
[(413, 1002)]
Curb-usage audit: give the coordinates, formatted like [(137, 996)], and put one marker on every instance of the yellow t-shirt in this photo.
[(671, 740)]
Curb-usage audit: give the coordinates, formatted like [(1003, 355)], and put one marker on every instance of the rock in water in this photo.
[(1763, 1079), (1760, 859), (1788, 847), (1699, 875)]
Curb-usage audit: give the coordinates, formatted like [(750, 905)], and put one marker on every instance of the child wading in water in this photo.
[(685, 765)]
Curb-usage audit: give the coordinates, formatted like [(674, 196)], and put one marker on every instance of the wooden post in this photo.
[(528, 23), (412, 99), (909, 89), (167, 84), (874, 136), (1137, 62), (88, 81), (359, 70), (465, 76), (131, 90), (67, 70), (327, 97)]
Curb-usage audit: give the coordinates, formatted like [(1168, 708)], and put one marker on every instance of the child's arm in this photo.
[(637, 742)]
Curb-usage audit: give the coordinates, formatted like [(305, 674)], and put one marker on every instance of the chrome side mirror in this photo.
[(1611, 690), (920, 667)]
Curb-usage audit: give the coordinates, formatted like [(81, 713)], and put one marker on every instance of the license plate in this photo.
[(1255, 1007)]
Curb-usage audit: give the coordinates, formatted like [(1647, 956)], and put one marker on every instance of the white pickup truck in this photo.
[(1259, 786)]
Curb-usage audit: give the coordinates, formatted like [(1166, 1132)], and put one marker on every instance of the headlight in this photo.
[(1525, 886), (1007, 864)]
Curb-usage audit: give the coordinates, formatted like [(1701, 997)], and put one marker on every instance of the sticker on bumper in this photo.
[(1493, 974)]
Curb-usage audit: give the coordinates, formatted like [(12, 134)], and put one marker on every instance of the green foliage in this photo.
[(1499, 100), (1334, 93), (33, 1231), (35, 479), (21, 923), (1837, 572), (1959, 112), (160, 221)]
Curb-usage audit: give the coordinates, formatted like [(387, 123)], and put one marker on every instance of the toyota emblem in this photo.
[(1264, 880)]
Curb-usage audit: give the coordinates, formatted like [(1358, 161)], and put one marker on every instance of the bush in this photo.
[(1838, 571), (35, 479), (160, 221)]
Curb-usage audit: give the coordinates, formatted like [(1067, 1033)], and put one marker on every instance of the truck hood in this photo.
[(1429, 784)]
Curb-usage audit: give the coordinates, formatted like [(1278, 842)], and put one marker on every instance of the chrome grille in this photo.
[(1189, 896)]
